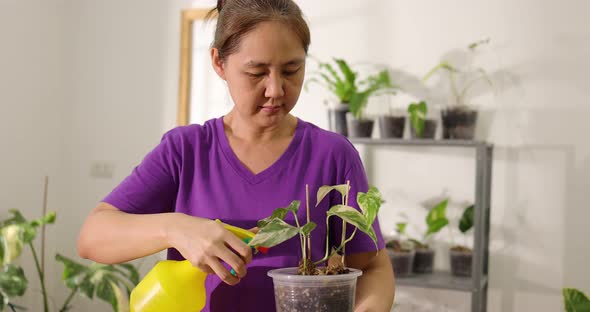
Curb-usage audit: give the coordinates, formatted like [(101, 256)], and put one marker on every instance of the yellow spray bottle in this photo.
[(176, 285)]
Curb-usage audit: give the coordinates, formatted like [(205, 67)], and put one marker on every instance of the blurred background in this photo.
[(87, 88)]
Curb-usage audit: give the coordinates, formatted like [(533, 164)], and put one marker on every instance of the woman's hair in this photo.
[(238, 17)]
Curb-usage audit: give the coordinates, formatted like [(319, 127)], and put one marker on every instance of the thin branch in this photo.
[(41, 277)]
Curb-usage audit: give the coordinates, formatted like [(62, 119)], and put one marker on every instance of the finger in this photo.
[(222, 272), (242, 249), (205, 268), (229, 257), (254, 230)]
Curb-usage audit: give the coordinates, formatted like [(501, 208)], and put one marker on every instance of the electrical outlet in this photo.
[(102, 169)]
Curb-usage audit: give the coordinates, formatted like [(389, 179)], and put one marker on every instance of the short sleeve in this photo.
[(153, 185), (358, 183)]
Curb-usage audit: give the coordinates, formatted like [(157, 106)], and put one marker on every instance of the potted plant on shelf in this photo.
[(421, 127), (102, 281), (460, 255), (347, 117), (311, 286), (435, 221), (392, 125), (459, 120), (401, 252)]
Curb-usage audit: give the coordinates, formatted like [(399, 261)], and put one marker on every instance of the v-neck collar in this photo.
[(244, 172)]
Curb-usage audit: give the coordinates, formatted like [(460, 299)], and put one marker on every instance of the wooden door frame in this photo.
[(188, 17)]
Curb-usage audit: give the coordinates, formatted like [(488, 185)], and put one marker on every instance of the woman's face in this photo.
[(266, 74)]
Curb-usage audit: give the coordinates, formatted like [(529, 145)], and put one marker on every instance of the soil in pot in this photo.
[(429, 130), (459, 123), (401, 259), (392, 126), (423, 260), (337, 119), (461, 259), (295, 292), (359, 128)]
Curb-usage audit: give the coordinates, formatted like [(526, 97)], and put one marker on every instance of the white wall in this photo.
[(85, 81), (31, 115), (537, 123)]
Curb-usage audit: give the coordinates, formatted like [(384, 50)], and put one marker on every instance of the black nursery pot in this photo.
[(337, 119), (459, 123), (429, 130), (402, 261), (359, 128), (423, 261), (392, 126), (461, 262)]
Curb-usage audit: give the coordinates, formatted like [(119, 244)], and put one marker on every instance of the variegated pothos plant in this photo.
[(273, 230)]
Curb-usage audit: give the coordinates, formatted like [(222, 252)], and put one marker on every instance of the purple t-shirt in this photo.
[(194, 171)]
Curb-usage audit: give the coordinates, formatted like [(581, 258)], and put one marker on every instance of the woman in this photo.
[(239, 168)]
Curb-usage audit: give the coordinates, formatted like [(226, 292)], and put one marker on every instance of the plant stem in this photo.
[(41, 277), (307, 207), (346, 241), (64, 307), (11, 307), (327, 241), (342, 239), (301, 239)]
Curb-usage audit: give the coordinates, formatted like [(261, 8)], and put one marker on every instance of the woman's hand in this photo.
[(205, 242)]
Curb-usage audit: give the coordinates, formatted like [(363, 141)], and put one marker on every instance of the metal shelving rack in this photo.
[(477, 284)]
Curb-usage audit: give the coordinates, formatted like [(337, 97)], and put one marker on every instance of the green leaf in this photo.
[(12, 240), (17, 216), (343, 189), (49, 218), (3, 301), (278, 213), (401, 228), (13, 282), (74, 273), (106, 292), (438, 212), (575, 300), (354, 217), (307, 228), (274, 233), (133, 274), (436, 226), (370, 203), (466, 221), (417, 113), (436, 218), (294, 206)]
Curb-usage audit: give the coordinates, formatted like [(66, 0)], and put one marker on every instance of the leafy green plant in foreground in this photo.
[(102, 281), (575, 301), (274, 230)]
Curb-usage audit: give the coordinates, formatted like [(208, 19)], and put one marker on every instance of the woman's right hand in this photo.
[(205, 242)]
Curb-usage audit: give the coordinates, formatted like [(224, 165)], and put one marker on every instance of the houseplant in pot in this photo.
[(352, 94), (401, 252), (392, 125), (460, 255), (459, 120), (436, 220), (421, 127), (311, 286)]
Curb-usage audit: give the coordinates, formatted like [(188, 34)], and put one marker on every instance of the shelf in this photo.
[(422, 142), (440, 280)]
